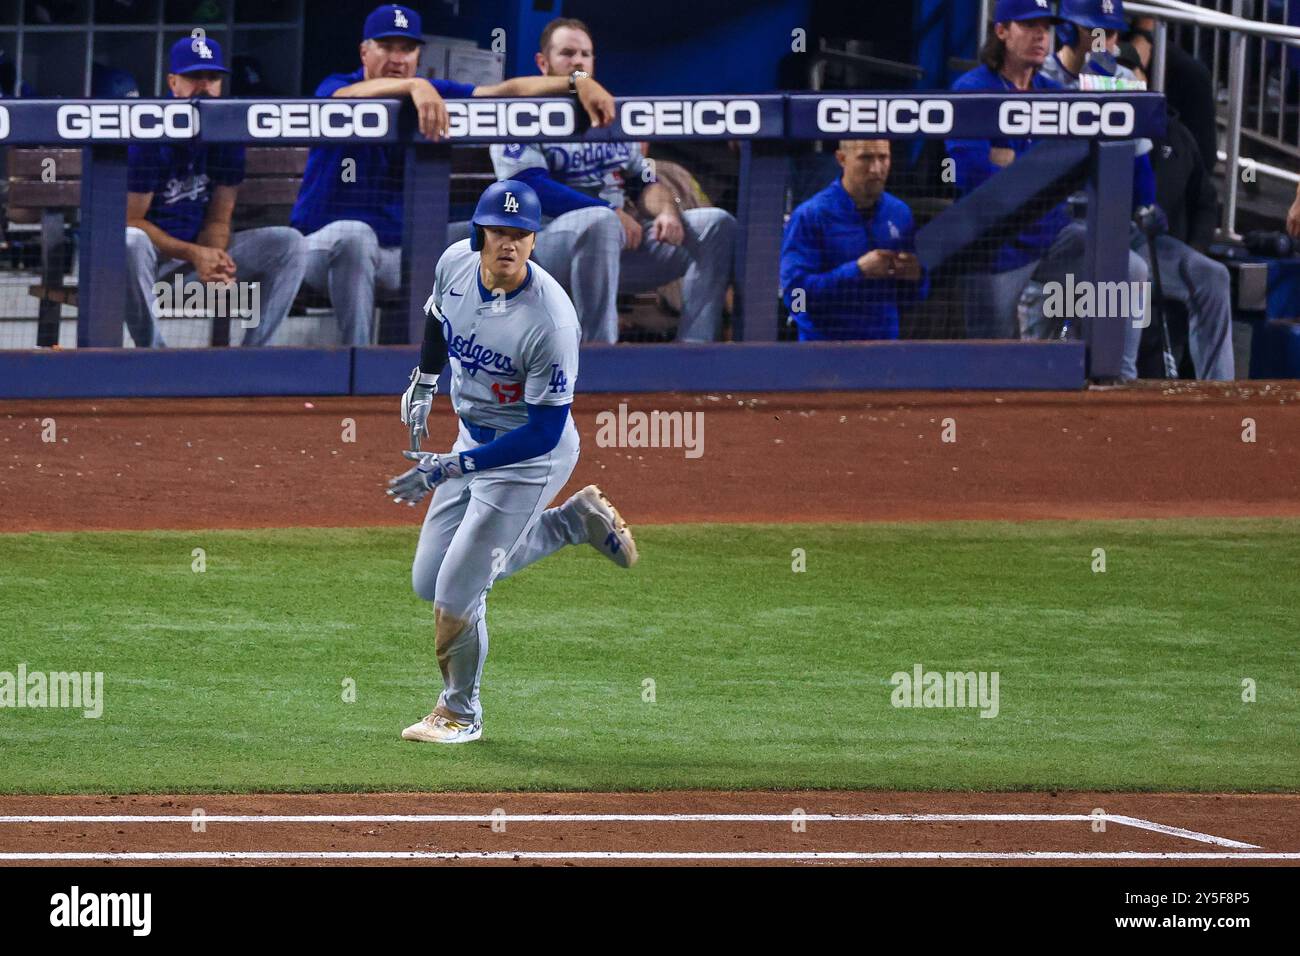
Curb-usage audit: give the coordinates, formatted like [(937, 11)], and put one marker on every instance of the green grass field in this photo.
[(233, 679)]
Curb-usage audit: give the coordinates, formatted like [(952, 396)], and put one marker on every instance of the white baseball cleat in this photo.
[(607, 532), (437, 729)]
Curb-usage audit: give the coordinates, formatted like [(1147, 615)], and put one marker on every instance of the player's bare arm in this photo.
[(595, 99), (660, 202), (212, 265), (215, 233), (430, 107)]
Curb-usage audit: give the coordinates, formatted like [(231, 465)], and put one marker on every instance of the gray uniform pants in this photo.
[(346, 262), (992, 299), (1204, 286), (272, 257), (484, 526), (583, 251)]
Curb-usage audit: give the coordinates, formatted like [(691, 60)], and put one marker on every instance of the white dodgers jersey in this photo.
[(506, 351), (595, 168)]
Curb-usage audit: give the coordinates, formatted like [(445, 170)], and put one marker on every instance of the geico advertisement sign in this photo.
[(690, 117), (124, 121), (328, 120), (1066, 118), (498, 118), (898, 116)]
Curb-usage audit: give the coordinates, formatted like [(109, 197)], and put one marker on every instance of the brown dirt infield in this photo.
[(1268, 821), (1143, 452)]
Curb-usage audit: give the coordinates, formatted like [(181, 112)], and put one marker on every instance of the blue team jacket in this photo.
[(819, 254), (973, 168)]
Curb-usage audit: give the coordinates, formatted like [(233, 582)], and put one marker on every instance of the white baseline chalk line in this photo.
[(631, 855), (642, 818)]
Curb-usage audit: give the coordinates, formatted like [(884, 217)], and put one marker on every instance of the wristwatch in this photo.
[(574, 77)]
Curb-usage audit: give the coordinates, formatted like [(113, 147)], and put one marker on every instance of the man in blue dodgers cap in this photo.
[(1012, 62), (179, 202), (350, 204), (1089, 33)]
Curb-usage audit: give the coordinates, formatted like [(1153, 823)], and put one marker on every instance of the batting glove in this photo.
[(416, 402), (429, 472)]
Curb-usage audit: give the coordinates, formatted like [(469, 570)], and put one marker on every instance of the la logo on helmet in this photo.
[(512, 204), (1107, 6)]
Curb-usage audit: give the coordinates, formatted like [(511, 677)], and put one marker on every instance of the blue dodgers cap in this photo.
[(192, 54), (1095, 14), (1008, 10), (393, 20)]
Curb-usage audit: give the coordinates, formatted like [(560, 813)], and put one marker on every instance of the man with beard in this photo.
[(350, 206)]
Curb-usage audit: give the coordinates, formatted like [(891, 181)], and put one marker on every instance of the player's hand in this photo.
[(907, 266), (1293, 218), (631, 230), (429, 472), (213, 265), (877, 264), (431, 109), (668, 228), (1001, 156), (597, 101), (416, 402)]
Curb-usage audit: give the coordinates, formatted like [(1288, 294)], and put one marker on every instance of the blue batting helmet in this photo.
[(508, 203)]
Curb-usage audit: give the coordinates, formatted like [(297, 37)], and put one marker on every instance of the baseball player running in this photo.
[(512, 337)]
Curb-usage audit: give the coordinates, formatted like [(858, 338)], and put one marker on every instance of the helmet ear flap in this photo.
[(1067, 34), (475, 238)]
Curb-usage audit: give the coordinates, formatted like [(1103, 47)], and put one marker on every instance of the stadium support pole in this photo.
[(760, 212), (101, 275), (1159, 53), (1232, 139), (1106, 248), (426, 206)]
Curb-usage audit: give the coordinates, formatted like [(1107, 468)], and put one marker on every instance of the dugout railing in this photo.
[(766, 129)]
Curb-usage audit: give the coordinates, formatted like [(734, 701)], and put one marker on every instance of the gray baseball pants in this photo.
[(479, 528), (272, 257), (583, 250), (346, 262)]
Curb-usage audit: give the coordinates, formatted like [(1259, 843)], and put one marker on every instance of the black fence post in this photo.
[(1106, 249), (101, 278), (426, 207), (760, 209)]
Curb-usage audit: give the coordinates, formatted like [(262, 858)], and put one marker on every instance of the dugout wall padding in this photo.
[(763, 124)]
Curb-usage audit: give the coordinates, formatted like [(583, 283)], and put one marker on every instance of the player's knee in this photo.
[(713, 221), (424, 585), (356, 243), (1208, 273), (604, 231), (288, 240), (1137, 268), (138, 244)]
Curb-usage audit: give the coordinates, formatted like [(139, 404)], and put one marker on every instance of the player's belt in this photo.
[(480, 433)]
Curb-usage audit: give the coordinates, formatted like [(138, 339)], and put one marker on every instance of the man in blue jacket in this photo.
[(848, 258), (1012, 62)]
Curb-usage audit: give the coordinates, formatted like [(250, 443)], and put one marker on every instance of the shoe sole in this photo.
[(459, 739), (609, 514)]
